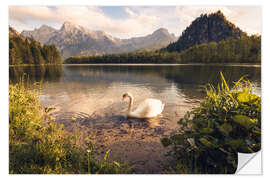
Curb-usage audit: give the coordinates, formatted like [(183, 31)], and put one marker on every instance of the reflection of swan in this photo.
[(149, 108)]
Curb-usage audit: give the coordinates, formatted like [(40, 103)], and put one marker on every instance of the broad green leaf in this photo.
[(225, 129), (207, 130), (205, 142), (256, 131), (245, 97), (236, 143), (244, 121)]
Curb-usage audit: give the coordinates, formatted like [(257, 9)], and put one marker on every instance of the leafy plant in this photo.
[(226, 122), (38, 145)]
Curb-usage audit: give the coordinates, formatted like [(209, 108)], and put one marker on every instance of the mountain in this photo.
[(74, 40), (43, 34), (206, 28)]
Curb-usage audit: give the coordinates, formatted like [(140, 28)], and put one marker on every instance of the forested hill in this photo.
[(24, 50), (209, 39), (204, 29)]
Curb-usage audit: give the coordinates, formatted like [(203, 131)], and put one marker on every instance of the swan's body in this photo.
[(149, 108)]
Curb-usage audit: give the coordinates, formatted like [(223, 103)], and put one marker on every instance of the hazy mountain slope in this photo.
[(43, 34), (74, 40)]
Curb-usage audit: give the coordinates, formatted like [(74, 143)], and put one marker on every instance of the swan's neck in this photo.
[(130, 104)]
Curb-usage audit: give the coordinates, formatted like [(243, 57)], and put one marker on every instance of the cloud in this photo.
[(247, 18), (87, 16), (138, 20)]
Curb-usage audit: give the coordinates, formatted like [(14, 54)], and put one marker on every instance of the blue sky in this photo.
[(116, 12), (130, 21)]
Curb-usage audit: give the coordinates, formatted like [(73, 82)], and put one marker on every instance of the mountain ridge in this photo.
[(212, 27), (73, 40)]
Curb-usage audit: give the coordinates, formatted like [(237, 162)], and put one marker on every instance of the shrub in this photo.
[(38, 145), (228, 121)]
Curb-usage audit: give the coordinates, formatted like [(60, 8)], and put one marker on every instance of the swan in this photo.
[(149, 108)]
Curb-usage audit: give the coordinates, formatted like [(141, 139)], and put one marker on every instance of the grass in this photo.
[(228, 121), (38, 145)]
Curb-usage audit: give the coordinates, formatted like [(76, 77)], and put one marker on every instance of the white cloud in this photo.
[(139, 21), (248, 18), (87, 16)]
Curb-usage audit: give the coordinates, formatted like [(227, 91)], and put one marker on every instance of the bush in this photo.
[(38, 145), (228, 121)]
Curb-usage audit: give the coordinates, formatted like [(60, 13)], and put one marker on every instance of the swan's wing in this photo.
[(148, 108)]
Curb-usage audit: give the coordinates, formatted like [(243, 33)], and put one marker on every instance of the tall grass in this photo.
[(228, 121), (38, 145)]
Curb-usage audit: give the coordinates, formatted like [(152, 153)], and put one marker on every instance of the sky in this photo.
[(130, 21)]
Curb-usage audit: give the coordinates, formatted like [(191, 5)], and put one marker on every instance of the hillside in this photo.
[(24, 50), (204, 29), (75, 40)]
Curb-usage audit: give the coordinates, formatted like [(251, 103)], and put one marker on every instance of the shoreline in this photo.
[(151, 64)]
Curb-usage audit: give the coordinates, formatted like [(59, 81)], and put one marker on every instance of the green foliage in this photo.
[(38, 145), (226, 122), (244, 50), (29, 51), (204, 29), (136, 57)]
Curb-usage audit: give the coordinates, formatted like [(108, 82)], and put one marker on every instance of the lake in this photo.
[(92, 94)]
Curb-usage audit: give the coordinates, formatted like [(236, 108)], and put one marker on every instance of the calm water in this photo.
[(92, 94)]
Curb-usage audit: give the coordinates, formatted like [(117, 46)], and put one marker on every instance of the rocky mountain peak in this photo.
[(46, 27), (72, 39), (164, 33), (161, 31), (69, 27), (207, 28)]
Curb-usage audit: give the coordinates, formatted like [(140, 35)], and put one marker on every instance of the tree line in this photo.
[(136, 57), (29, 51), (246, 49)]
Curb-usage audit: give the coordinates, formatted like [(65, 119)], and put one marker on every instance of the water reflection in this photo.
[(185, 82), (92, 95), (189, 79), (33, 73)]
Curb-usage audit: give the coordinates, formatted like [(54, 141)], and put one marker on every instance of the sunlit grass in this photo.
[(38, 145)]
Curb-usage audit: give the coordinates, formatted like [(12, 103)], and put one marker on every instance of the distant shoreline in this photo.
[(152, 64), (146, 64)]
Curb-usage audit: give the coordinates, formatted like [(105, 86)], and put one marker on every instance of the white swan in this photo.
[(149, 108)]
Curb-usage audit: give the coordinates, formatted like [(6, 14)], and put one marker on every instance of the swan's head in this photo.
[(127, 94)]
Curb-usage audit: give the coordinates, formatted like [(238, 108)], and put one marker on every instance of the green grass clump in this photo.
[(38, 145), (228, 121)]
